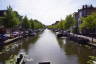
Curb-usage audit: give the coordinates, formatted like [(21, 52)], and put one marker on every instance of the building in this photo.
[(83, 12), (2, 12)]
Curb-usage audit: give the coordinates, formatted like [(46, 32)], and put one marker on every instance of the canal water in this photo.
[(46, 47)]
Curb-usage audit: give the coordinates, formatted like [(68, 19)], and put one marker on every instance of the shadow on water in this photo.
[(74, 49)]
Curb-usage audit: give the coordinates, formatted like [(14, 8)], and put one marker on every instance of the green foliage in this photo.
[(64, 24), (89, 22), (11, 20), (61, 24), (26, 24), (69, 22), (32, 24), (38, 25)]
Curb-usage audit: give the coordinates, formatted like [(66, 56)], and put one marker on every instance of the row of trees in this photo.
[(88, 24), (64, 24), (31, 24), (12, 19)]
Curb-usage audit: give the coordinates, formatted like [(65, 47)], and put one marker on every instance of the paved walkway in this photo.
[(86, 37)]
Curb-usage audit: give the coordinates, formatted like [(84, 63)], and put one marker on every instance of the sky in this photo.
[(46, 11)]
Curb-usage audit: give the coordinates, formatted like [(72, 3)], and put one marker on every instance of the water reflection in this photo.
[(74, 49), (47, 49), (28, 41)]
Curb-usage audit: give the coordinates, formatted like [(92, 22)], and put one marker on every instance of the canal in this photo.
[(46, 47)]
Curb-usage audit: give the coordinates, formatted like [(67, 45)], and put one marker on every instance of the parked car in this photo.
[(7, 35), (32, 34), (15, 34), (3, 37), (26, 33)]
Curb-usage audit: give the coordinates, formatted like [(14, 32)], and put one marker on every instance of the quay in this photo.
[(91, 43), (86, 37), (81, 39), (6, 42)]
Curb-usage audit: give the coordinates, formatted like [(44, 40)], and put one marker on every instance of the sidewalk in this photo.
[(90, 39)]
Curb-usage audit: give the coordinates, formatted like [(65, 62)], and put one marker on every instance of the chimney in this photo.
[(86, 6)]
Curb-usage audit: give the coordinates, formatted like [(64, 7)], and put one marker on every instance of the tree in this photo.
[(69, 22), (32, 24), (89, 22), (61, 24), (26, 24), (11, 20), (64, 24), (38, 24)]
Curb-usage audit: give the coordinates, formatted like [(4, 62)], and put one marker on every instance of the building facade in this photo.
[(83, 12)]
